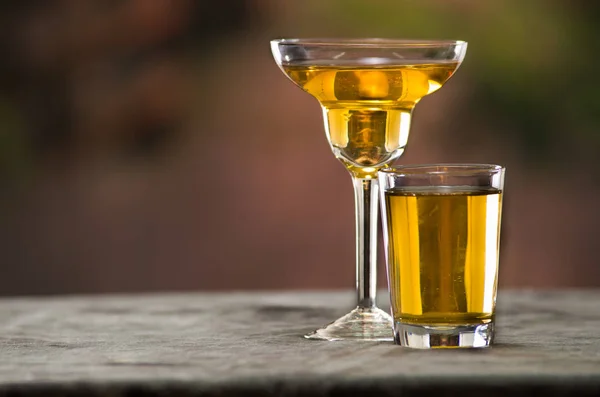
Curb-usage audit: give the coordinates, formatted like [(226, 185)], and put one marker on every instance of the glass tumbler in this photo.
[(441, 227)]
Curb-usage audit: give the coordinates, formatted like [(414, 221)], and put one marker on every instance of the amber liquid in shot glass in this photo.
[(442, 244)]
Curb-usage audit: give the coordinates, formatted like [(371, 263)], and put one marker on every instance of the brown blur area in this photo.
[(153, 145)]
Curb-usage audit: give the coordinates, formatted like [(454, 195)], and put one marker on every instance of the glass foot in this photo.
[(361, 324), (431, 337)]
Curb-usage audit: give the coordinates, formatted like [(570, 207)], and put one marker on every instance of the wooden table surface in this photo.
[(251, 344)]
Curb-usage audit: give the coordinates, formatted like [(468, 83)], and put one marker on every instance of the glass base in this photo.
[(436, 337), (361, 324)]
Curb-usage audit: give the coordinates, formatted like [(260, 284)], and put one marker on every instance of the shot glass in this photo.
[(441, 228)]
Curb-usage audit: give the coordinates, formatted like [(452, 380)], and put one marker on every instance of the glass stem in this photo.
[(366, 195)]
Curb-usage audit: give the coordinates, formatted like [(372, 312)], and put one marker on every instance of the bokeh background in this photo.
[(153, 145)]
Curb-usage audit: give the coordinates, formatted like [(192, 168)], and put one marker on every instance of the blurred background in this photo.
[(154, 145)]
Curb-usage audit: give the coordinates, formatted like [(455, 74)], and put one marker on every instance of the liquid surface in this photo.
[(367, 111), (443, 254)]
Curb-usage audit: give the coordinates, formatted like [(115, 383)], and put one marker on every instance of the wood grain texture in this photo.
[(251, 344)]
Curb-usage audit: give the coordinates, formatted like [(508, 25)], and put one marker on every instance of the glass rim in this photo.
[(443, 169), (368, 42)]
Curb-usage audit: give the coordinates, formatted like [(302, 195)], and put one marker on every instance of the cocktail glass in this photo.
[(367, 89)]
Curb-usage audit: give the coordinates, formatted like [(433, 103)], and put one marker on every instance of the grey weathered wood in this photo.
[(251, 344)]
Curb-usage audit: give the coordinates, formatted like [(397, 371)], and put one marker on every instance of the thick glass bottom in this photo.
[(440, 337), (361, 324)]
